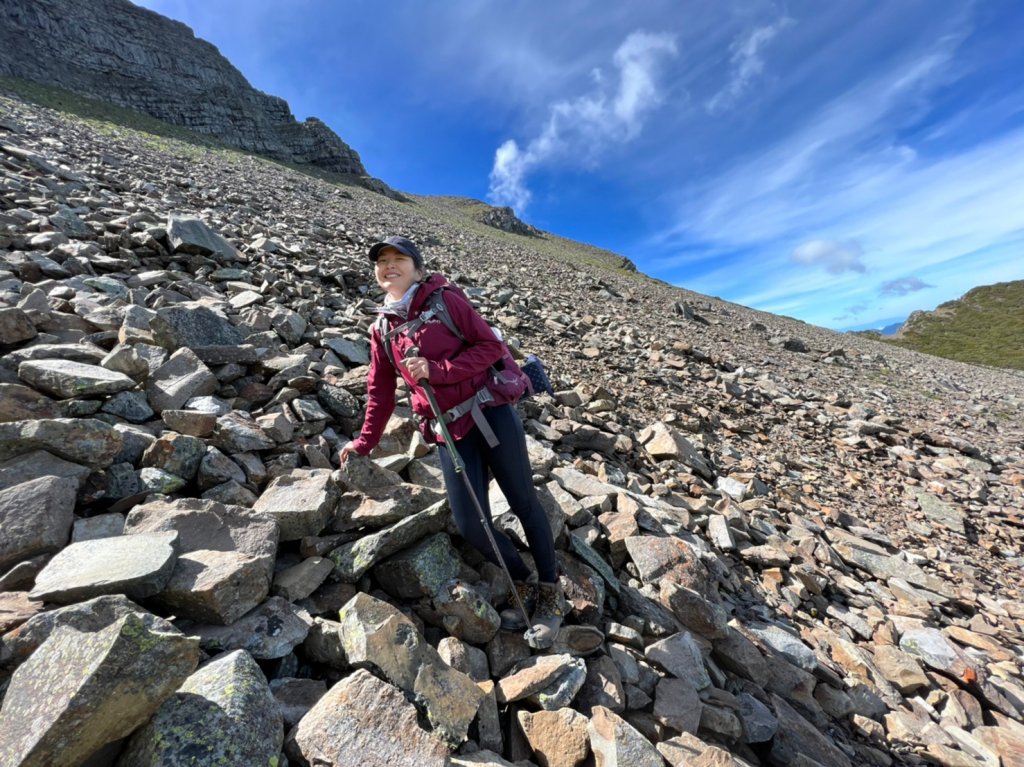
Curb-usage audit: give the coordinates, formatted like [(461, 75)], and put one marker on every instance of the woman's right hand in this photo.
[(345, 453)]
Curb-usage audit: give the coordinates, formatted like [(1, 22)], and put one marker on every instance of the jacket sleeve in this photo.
[(482, 348), (381, 383)]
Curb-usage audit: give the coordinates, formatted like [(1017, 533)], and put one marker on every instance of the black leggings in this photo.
[(509, 463)]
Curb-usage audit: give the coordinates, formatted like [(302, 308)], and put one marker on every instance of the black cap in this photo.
[(402, 245)]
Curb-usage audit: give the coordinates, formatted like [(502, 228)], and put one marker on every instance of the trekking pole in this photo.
[(460, 469)]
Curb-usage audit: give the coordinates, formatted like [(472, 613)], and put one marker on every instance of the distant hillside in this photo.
[(984, 326)]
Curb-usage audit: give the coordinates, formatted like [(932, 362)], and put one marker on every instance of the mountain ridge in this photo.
[(118, 52)]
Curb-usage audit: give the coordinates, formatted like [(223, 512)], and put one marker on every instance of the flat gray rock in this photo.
[(182, 377), (65, 379), (86, 441), (303, 502), (137, 566)]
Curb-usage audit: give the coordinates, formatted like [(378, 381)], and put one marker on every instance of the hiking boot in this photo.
[(547, 618), (512, 616)]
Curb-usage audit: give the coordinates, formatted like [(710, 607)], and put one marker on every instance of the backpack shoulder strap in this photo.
[(440, 310), (381, 325)]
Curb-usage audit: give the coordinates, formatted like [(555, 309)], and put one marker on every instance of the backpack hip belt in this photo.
[(471, 406)]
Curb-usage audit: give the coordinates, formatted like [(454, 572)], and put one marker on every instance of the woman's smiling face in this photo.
[(395, 272)]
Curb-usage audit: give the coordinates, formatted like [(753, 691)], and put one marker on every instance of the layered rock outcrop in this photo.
[(114, 51)]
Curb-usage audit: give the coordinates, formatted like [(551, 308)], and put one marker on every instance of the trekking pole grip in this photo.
[(414, 351)]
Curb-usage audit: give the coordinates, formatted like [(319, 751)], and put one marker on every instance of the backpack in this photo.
[(507, 382)]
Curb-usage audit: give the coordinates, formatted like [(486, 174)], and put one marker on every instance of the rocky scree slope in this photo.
[(780, 545), (117, 52)]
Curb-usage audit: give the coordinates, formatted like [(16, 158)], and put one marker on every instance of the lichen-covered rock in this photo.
[(271, 630), (377, 634), (65, 379), (224, 713), (420, 570), (80, 440), (363, 720), (81, 690), (353, 559)]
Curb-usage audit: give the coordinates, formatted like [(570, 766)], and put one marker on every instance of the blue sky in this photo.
[(844, 163)]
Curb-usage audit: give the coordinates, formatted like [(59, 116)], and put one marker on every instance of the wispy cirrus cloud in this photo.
[(580, 129), (746, 64)]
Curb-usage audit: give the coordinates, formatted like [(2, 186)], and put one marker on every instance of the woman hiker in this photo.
[(457, 371)]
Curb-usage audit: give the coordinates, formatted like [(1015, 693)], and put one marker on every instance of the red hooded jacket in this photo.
[(457, 370)]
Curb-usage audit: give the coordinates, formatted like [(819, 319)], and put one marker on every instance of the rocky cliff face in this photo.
[(114, 51)]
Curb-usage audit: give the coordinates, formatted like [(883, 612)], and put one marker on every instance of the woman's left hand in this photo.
[(418, 367)]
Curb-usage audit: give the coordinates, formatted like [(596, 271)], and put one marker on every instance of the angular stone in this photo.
[(89, 616), (900, 668), (137, 566), (176, 454), (603, 686), (677, 705), (132, 406), (152, 480), (467, 615), (216, 468), (363, 720), (615, 742), (663, 442), (735, 653), (65, 379), (558, 738), (190, 422), (787, 645), (470, 660), (937, 652), (796, 736), (190, 234), (101, 526), (301, 580), (694, 611), (421, 570), (79, 440), (272, 630), (362, 474), (15, 608), (80, 691), (352, 560), (15, 326), (582, 485), (178, 380), (295, 697), (303, 503), (758, 722), (533, 675), (235, 433), (23, 403), (376, 633), (223, 713), (400, 502), (680, 655), (669, 558), (352, 352), (36, 518)]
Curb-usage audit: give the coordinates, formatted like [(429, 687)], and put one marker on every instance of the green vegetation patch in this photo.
[(983, 327)]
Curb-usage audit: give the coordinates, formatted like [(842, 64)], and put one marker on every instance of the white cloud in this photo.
[(747, 64), (903, 286), (580, 130), (836, 257)]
